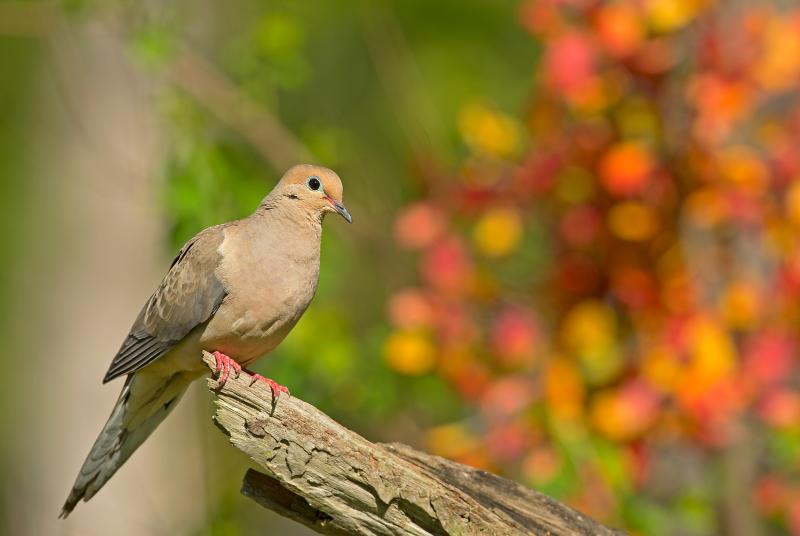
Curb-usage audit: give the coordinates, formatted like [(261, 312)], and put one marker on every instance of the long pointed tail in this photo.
[(143, 403)]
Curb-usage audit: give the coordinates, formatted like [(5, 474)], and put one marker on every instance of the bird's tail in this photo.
[(143, 403)]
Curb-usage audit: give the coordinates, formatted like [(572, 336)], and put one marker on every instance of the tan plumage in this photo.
[(237, 288)]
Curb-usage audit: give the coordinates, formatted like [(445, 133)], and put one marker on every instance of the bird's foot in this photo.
[(224, 365), (277, 388)]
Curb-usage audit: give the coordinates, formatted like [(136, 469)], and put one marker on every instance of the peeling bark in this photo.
[(334, 481)]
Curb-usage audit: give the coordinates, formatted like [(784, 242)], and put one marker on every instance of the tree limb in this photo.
[(334, 481)]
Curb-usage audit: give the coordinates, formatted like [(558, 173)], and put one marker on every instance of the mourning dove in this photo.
[(236, 290)]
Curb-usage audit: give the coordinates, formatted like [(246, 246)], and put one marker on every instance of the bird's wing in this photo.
[(188, 296)]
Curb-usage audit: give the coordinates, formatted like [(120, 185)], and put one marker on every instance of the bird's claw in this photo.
[(224, 364), (277, 388)]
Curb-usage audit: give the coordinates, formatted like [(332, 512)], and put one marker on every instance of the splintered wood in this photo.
[(320, 474)]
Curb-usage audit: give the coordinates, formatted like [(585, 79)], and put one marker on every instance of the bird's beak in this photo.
[(339, 207)]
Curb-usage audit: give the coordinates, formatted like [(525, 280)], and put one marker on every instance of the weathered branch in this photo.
[(330, 479)]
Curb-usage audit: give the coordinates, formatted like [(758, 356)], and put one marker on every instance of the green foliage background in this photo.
[(370, 88), (375, 90)]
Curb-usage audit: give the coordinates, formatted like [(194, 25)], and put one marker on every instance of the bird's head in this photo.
[(315, 189)]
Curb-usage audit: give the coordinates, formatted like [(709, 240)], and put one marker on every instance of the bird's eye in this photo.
[(313, 183)]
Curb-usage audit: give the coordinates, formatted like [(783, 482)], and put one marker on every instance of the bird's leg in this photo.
[(224, 365), (277, 388)]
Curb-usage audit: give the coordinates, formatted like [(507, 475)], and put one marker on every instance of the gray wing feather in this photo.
[(188, 296)]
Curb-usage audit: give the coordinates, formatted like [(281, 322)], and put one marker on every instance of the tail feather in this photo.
[(142, 405)]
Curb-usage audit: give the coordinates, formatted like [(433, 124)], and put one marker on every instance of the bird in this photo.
[(234, 290)]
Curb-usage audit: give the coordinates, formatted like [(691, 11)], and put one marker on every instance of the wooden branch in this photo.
[(334, 481)]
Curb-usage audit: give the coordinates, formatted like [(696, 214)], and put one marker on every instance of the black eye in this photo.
[(313, 183)]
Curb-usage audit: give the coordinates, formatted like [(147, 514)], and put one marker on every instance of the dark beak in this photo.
[(342, 210)]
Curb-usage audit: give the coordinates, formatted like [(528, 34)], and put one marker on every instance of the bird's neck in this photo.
[(292, 217), (289, 210)]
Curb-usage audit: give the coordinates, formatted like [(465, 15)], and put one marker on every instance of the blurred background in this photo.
[(574, 260)]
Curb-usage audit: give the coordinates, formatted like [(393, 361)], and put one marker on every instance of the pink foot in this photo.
[(277, 388), (224, 365)]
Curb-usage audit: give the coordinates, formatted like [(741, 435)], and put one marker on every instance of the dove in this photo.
[(234, 290)]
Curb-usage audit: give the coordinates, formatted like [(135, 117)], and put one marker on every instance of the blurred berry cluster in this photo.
[(612, 276)]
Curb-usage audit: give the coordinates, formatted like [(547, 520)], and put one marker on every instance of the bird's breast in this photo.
[(266, 296)]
